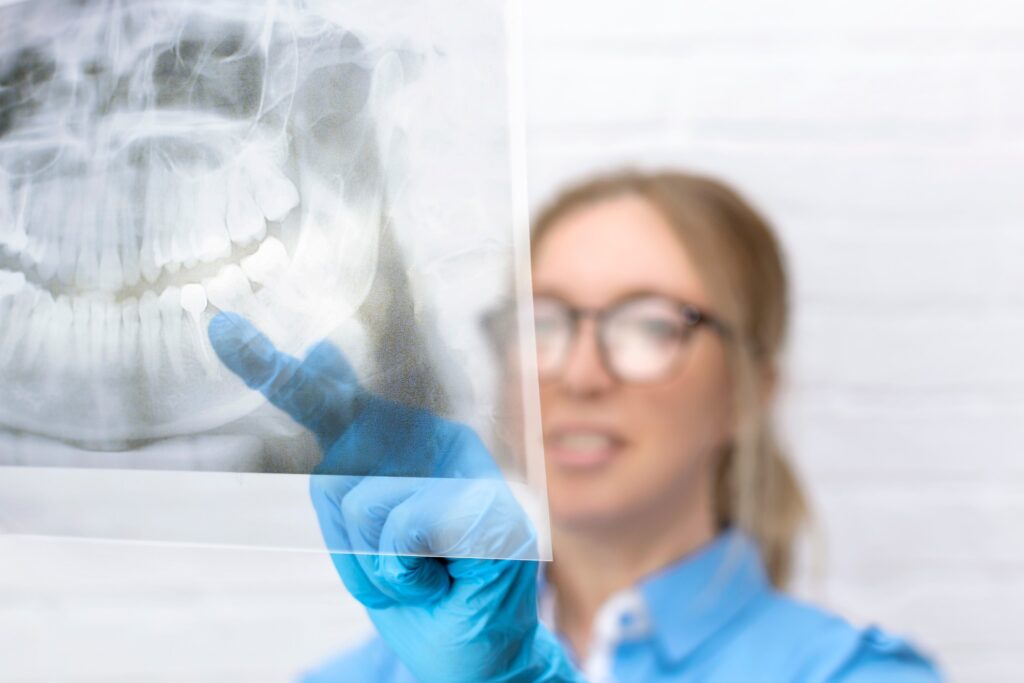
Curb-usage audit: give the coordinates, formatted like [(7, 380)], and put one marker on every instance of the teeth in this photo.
[(129, 243), (97, 338), (147, 260), (584, 441), (12, 222), (163, 213), (88, 274), (154, 216), (183, 224), (80, 330), (193, 300), (170, 314), (149, 333), (117, 228), (129, 333), (214, 246), (229, 290), (212, 241), (18, 305), (162, 248), (46, 266), (177, 228), (57, 333), (269, 261), (68, 229), (112, 335), (42, 253), (84, 222), (67, 262), (79, 234), (31, 252), (111, 274), (273, 191), (38, 325), (11, 282), (311, 262), (244, 220), (40, 211), (187, 236)]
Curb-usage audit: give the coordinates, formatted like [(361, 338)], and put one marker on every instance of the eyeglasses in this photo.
[(640, 339)]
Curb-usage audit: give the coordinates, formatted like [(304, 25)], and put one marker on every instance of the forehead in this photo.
[(603, 251)]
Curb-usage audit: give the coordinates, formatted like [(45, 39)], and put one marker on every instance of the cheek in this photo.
[(692, 415), (673, 428)]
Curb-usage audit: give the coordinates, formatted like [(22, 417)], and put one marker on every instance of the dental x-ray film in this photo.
[(263, 262)]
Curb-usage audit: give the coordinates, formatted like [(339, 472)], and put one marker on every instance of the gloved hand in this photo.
[(404, 489)]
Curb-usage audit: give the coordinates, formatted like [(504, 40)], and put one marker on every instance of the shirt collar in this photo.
[(691, 600)]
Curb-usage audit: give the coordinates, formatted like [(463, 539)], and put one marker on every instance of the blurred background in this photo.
[(885, 140)]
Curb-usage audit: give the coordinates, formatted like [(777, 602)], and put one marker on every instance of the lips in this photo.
[(582, 447)]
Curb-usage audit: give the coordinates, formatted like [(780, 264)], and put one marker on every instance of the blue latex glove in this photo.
[(400, 485)]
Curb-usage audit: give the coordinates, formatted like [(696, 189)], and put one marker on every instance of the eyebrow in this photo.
[(637, 293)]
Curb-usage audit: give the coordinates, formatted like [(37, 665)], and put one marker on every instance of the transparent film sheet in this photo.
[(264, 276)]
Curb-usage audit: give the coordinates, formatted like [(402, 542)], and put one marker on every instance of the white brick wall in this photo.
[(886, 140)]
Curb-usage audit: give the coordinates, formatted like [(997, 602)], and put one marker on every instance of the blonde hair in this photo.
[(741, 264)]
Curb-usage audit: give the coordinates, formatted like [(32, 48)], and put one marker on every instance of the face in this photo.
[(615, 451)]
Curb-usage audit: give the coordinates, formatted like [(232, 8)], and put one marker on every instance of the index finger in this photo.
[(318, 392)]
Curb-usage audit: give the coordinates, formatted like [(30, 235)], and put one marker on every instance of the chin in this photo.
[(585, 508)]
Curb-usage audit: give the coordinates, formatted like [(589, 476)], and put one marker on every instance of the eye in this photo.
[(652, 319), (550, 331), (661, 329)]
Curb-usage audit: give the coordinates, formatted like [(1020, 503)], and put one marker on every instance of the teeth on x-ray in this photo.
[(160, 162), (194, 300), (129, 333), (80, 340), (245, 222), (149, 333), (230, 290), (171, 315), (268, 263)]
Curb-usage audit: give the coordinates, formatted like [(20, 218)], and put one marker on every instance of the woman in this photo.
[(661, 309)]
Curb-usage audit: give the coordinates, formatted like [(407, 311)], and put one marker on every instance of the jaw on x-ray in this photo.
[(325, 169)]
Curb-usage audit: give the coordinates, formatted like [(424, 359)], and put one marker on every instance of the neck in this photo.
[(592, 564)]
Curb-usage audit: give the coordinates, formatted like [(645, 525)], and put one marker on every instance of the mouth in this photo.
[(132, 210), (582, 447), (129, 284)]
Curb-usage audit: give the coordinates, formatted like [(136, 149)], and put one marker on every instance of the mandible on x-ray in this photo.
[(163, 160)]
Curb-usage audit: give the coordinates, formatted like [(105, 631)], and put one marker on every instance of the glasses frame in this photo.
[(693, 316)]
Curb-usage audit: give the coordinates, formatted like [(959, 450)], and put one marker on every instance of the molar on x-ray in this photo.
[(345, 169), (164, 160)]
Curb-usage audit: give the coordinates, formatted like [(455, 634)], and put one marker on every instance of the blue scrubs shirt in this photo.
[(712, 617)]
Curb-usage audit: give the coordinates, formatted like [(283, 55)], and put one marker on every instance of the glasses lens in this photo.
[(553, 326), (643, 338)]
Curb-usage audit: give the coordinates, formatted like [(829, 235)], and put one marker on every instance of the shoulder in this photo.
[(816, 645), (371, 662), (879, 656)]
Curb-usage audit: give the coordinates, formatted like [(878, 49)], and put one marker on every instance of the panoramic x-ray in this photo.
[(255, 253)]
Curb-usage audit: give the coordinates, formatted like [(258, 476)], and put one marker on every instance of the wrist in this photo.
[(544, 660)]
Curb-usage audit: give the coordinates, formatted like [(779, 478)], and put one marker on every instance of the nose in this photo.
[(584, 373)]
